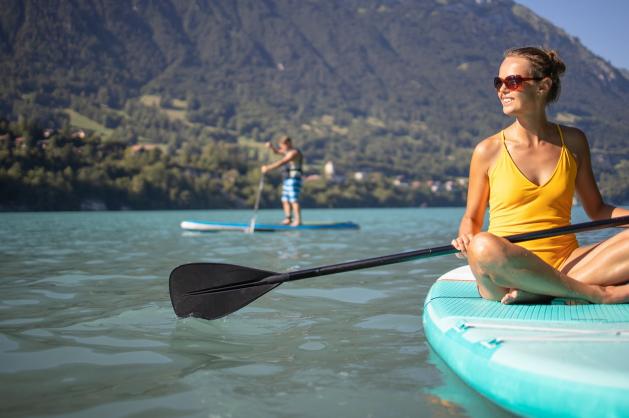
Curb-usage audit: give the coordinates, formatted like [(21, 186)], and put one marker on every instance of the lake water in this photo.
[(87, 329)]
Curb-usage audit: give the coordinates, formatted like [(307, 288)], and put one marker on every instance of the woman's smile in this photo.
[(505, 100)]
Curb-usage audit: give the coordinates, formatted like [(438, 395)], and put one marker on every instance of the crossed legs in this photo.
[(506, 272)]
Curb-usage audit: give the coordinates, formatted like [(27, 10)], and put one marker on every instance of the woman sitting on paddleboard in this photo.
[(291, 187), (527, 174)]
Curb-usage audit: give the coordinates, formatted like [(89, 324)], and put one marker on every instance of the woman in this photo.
[(527, 174), (292, 162)]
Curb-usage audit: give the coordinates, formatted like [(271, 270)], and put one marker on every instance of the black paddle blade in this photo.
[(195, 289)]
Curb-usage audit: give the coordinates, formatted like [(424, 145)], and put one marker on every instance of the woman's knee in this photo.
[(487, 258), (487, 249)]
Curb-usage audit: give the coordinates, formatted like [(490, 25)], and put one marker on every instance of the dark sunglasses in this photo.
[(513, 82)]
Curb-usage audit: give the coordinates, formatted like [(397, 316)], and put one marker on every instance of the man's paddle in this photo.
[(213, 290), (252, 224)]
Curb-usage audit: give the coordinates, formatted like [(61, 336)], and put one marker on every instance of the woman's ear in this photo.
[(544, 86)]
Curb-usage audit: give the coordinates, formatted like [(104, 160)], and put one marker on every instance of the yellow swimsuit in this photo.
[(517, 205)]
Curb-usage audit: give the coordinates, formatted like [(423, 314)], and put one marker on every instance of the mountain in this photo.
[(392, 86)]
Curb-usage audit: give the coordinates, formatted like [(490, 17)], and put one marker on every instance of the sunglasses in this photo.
[(513, 82)]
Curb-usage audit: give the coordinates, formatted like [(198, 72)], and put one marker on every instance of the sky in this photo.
[(602, 26)]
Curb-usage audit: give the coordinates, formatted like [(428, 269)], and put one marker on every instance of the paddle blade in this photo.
[(194, 289)]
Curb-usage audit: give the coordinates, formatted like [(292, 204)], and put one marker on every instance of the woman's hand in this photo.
[(461, 243), (264, 169)]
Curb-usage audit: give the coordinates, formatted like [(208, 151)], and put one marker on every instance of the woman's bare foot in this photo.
[(286, 221), (616, 294), (295, 223), (515, 296)]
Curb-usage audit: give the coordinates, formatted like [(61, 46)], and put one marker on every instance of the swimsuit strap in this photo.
[(563, 144)]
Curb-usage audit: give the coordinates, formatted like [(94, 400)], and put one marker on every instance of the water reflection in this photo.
[(457, 397)]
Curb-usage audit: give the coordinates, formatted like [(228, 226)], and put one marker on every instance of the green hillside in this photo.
[(398, 89)]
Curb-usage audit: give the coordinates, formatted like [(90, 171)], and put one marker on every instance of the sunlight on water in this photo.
[(87, 328)]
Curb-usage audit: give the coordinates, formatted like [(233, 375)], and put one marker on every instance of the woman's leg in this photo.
[(501, 267), (604, 264)]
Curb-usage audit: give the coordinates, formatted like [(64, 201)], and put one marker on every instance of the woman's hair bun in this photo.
[(558, 65)]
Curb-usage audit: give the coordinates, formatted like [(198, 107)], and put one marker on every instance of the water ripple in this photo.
[(87, 327)]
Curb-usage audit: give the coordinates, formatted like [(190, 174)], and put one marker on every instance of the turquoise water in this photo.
[(87, 329)]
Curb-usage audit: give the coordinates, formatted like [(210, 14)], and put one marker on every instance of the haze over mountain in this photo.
[(396, 86)]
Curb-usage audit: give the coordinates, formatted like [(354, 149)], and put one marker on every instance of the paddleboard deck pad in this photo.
[(555, 360), (208, 226)]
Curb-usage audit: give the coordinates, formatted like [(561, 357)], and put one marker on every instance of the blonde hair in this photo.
[(545, 63), (285, 140)]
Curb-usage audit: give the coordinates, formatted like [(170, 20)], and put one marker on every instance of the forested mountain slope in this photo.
[(391, 87)]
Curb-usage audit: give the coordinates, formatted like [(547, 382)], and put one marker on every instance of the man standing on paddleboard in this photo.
[(292, 162)]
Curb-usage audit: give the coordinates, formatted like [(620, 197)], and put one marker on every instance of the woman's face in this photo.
[(527, 97)]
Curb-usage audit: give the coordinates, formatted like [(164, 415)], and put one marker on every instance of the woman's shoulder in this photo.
[(488, 147), (486, 153), (573, 135), (575, 139)]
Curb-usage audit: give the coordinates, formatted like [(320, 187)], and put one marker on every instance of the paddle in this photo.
[(252, 224), (213, 290)]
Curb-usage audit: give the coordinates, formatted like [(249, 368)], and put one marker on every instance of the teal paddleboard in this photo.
[(555, 360), (208, 226)]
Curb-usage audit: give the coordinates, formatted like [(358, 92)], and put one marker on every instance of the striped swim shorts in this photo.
[(291, 188)]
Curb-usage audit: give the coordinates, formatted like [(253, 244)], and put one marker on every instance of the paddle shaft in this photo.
[(436, 251), (252, 224), (213, 290)]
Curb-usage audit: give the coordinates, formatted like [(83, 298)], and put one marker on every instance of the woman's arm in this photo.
[(589, 194), (477, 194)]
